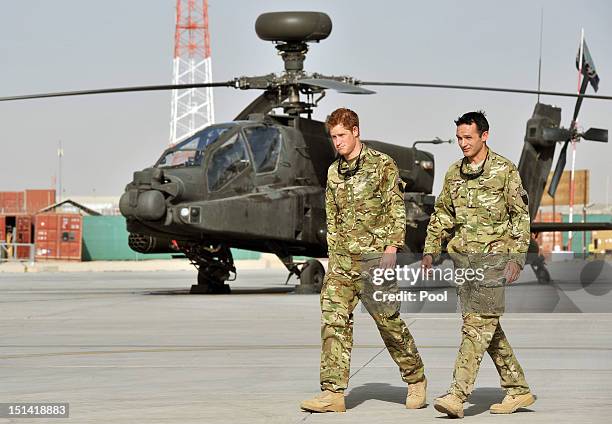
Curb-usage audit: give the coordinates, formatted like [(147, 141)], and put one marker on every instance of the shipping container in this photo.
[(58, 236), (23, 224), (105, 238), (3, 251), (16, 228), (11, 202), (36, 200), (549, 241)]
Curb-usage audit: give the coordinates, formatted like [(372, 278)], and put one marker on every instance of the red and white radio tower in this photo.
[(192, 109)]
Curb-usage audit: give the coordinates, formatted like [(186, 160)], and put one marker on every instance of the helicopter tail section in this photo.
[(538, 152)]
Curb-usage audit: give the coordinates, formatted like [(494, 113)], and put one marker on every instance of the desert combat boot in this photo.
[(326, 401), (450, 405), (511, 403), (417, 394)]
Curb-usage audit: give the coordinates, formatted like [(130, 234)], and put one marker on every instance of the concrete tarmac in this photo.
[(134, 347)]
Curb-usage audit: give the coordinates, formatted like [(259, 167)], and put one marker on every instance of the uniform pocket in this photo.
[(490, 270), (487, 301), (461, 214), (491, 198), (367, 198)]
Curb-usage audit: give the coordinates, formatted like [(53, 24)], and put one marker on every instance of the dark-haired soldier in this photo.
[(482, 214), (366, 224)]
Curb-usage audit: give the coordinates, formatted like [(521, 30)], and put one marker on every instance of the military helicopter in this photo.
[(258, 182), (542, 134)]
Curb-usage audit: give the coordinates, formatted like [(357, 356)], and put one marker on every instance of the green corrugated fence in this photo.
[(577, 235), (105, 238)]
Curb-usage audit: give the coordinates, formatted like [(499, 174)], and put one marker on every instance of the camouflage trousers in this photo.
[(345, 284), (482, 333), (484, 295)]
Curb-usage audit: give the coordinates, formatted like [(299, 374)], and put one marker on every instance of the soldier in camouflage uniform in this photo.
[(366, 223), (483, 219)]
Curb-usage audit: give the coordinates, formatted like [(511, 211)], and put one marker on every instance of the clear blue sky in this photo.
[(71, 44)]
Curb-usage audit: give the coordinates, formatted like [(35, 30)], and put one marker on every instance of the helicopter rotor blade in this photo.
[(556, 134), (596, 134), (118, 90), (554, 181), (481, 88), (583, 87), (339, 86)]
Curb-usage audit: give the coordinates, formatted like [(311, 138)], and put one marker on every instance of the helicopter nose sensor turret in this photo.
[(147, 195), (148, 205)]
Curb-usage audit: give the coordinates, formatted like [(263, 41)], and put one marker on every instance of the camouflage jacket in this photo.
[(488, 213), (366, 211)]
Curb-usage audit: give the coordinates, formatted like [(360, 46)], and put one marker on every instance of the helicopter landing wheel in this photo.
[(215, 266), (542, 275), (311, 277), (208, 284)]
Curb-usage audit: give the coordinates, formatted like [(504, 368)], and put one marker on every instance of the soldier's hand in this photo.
[(512, 272), (389, 258), (426, 264)]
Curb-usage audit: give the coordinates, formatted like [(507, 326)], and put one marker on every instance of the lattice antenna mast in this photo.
[(192, 109)]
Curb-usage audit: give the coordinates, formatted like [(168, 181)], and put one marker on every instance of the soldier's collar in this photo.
[(350, 171), (470, 174)]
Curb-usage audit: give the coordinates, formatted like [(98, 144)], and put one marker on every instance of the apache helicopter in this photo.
[(258, 182)]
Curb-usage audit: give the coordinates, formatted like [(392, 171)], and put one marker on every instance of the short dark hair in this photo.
[(477, 118)]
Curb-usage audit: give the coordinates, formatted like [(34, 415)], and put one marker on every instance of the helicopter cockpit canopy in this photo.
[(231, 158), (191, 151)]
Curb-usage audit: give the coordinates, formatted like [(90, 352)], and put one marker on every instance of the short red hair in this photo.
[(342, 116)]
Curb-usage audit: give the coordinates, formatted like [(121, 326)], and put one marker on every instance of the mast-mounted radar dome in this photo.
[(293, 27)]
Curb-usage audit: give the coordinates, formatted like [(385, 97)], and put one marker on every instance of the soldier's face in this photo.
[(470, 142), (345, 140)]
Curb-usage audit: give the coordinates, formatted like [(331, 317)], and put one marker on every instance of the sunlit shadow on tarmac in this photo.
[(237, 291), (379, 391)]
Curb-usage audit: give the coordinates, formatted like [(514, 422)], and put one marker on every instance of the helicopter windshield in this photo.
[(191, 151), (227, 162), (265, 143)]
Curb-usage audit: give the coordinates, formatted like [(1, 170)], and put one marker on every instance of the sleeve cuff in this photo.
[(518, 258), (435, 256)]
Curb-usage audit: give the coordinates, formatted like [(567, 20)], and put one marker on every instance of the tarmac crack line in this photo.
[(179, 349), (86, 307), (374, 357), (367, 363)]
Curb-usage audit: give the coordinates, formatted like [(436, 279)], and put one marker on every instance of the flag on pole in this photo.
[(587, 67)]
